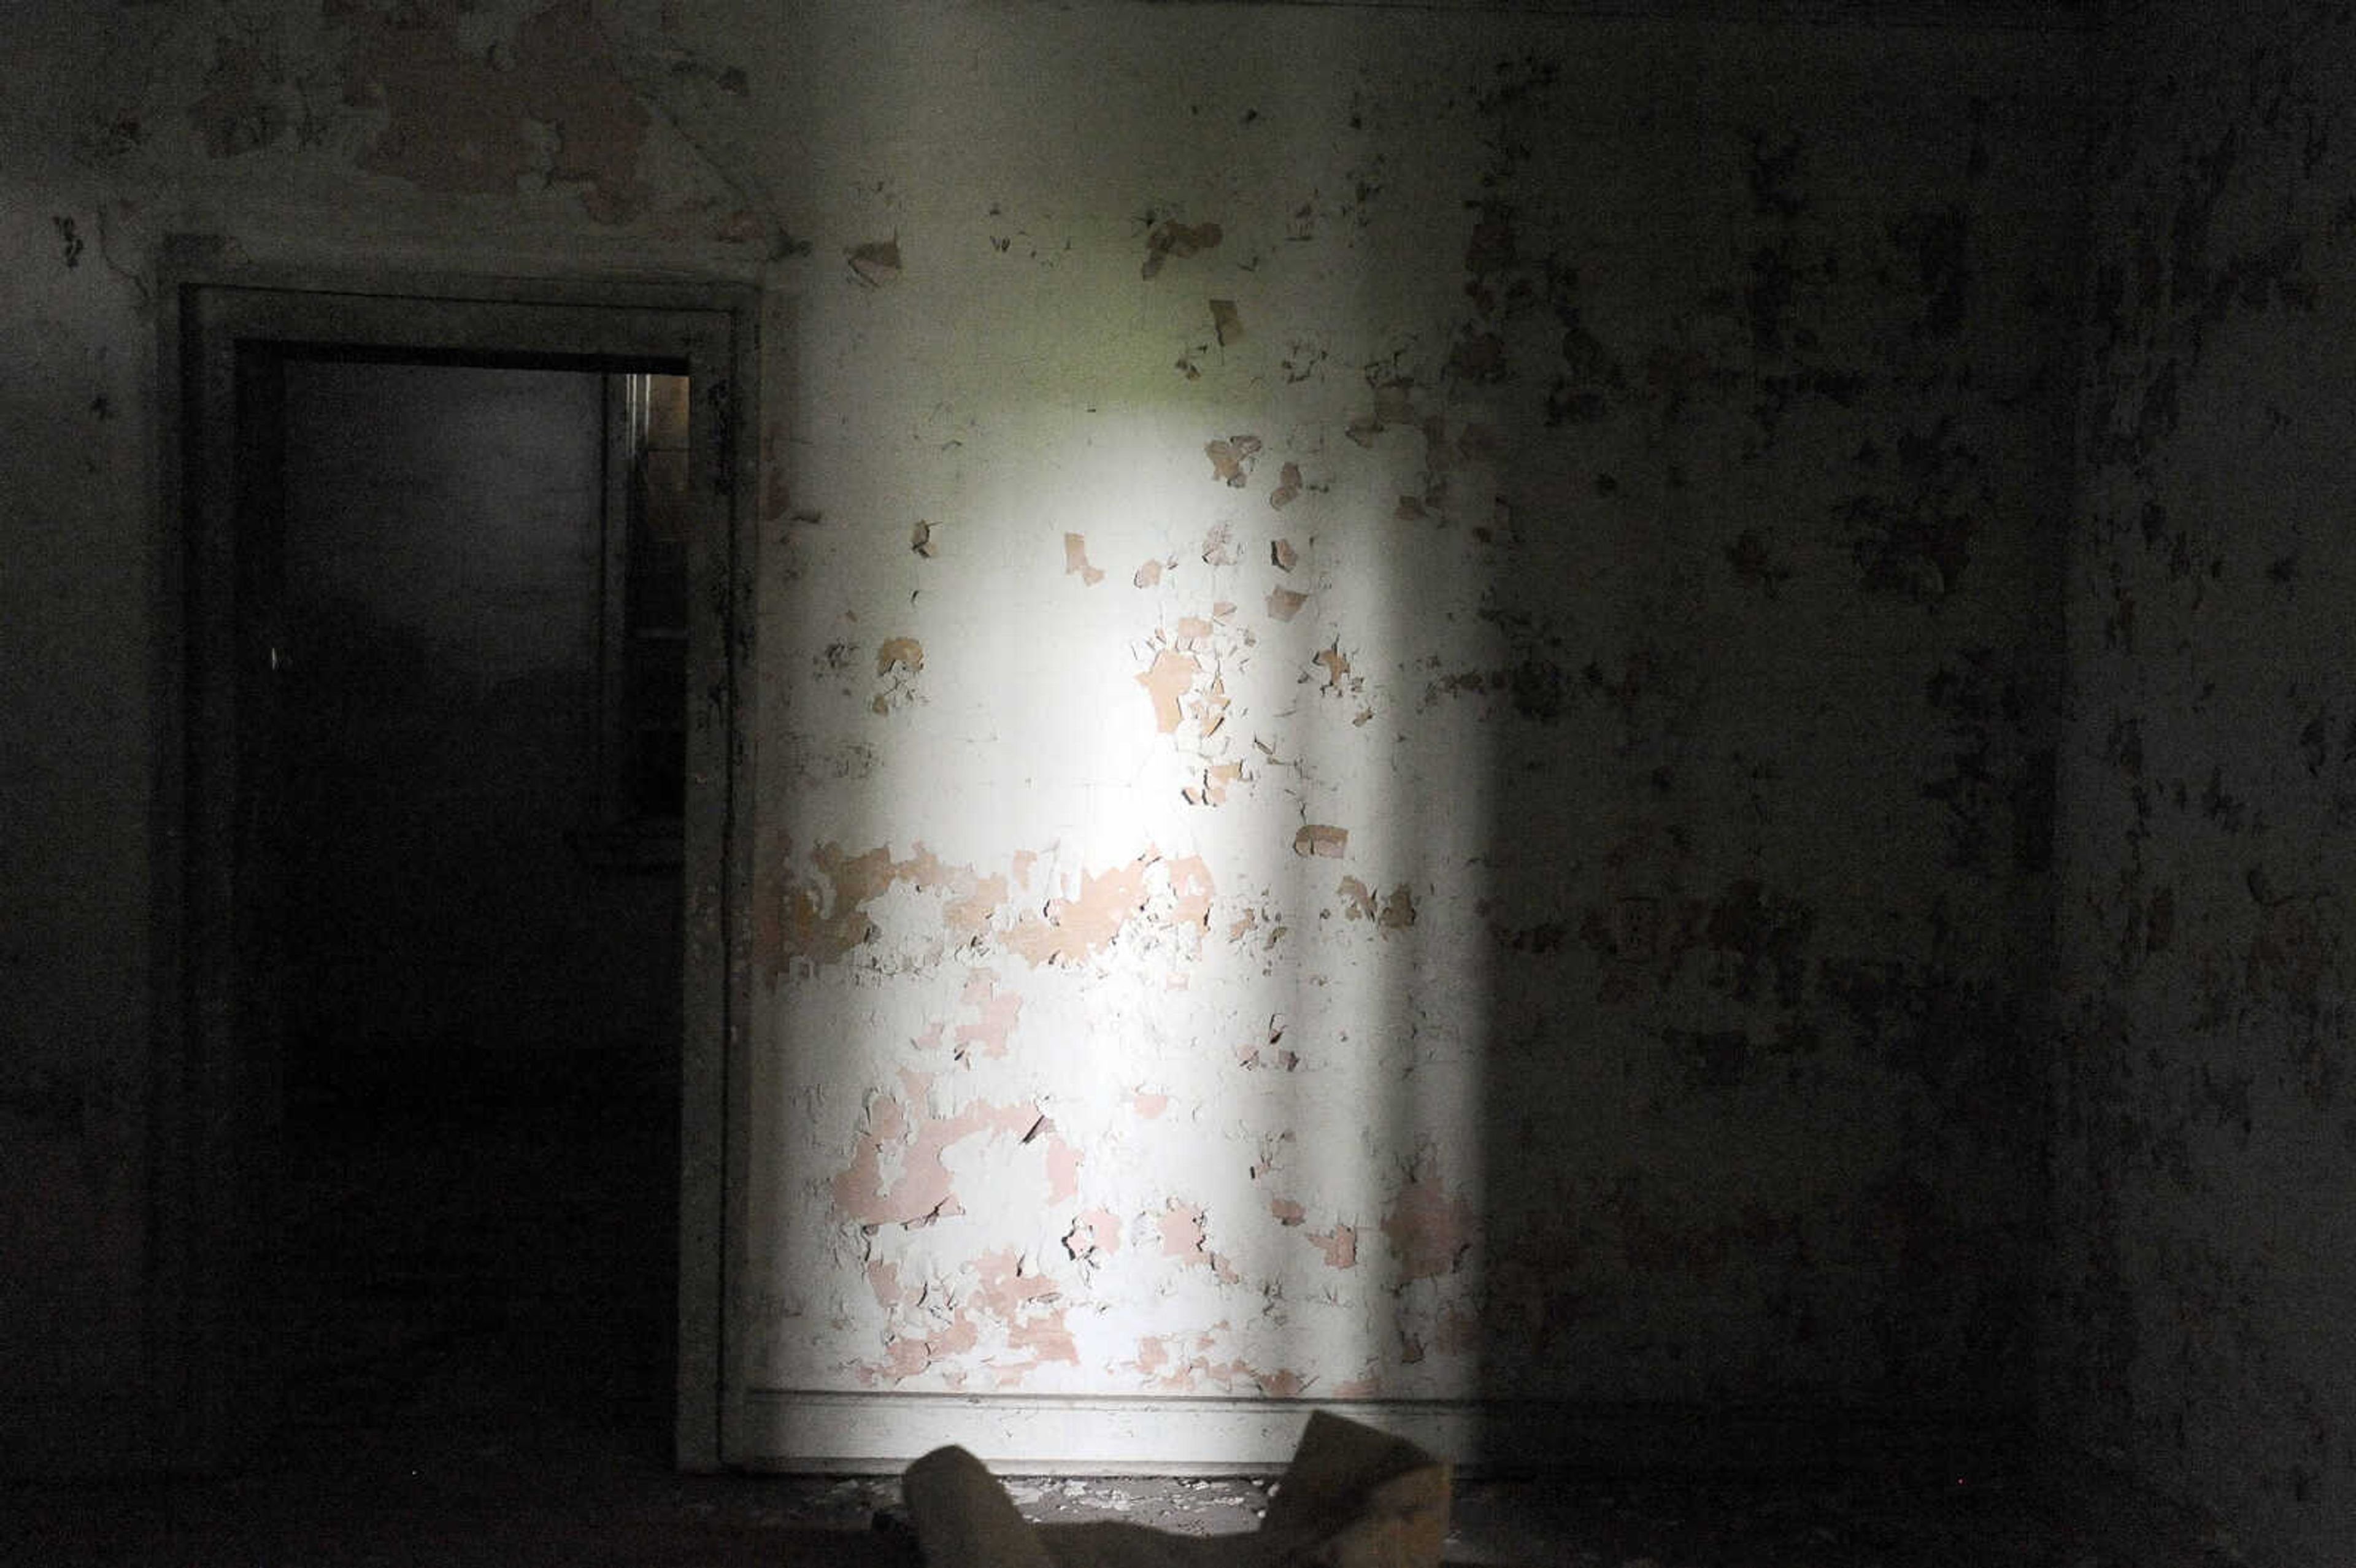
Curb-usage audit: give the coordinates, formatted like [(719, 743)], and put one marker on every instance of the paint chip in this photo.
[(1171, 238), (1075, 559), (1231, 459), (1147, 575), (1317, 838), (1284, 603), (877, 262), (1337, 666), (1227, 322), (1219, 546), (1283, 555), (904, 652), (1288, 487), (922, 541), (1166, 682)]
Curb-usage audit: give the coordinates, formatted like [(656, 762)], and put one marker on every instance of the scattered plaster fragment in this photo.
[(1194, 635), (1218, 546), (906, 652), (1288, 488), (924, 540), (1398, 912), (1287, 1213), (1337, 666), (1283, 555), (1147, 575), (1242, 925), (1428, 1230), (1226, 323), (1357, 898), (1075, 559), (1284, 603), (877, 262), (1171, 238), (1339, 1244), (1170, 677), (1231, 460), (1216, 780), (1316, 838)]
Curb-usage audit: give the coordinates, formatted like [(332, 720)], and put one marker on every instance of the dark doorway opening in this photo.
[(457, 608), (473, 1233)]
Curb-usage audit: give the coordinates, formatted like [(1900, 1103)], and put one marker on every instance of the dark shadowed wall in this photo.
[(2206, 1155)]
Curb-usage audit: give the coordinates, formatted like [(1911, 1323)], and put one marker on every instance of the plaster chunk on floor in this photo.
[(1351, 1498)]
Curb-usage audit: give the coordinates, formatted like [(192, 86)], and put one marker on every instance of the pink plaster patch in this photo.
[(1428, 1228), (1097, 1230), (999, 1011), (1183, 1234), (1148, 1106), (922, 1192), (1339, 1244)]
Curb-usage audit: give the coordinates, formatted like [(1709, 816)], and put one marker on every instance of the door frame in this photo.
[(214, 1082)]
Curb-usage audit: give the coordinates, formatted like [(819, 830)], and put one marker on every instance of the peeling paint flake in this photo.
[(1170, 239), (1231, 459), (1170, 677), (1075, 560), (1317, 838), (875, 263), (560, 111)]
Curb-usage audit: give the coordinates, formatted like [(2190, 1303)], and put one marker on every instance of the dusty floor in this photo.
[(464, 1386), (576, 1498)]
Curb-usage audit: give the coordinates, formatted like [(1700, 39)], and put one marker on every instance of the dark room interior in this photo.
[(742, 739)]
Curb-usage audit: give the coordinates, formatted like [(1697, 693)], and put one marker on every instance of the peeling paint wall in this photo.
[(2206, 1147), (1407, 673), (1472, 819)]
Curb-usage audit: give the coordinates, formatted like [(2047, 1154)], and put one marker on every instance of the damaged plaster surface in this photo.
[(2206, 1160), (1406, 710), (1478, 799)]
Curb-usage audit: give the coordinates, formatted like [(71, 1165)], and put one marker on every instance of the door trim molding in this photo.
[(204, 1089)]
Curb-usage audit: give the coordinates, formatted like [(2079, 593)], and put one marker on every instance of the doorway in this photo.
[(476, 1003), (443, 1121)]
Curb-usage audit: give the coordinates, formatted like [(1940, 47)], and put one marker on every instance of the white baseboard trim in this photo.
[(876, 1433)]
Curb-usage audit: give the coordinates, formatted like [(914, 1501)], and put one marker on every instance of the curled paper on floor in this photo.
[(1351, 1498)]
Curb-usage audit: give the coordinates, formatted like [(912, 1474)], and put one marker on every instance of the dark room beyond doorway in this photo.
[(480, 642)]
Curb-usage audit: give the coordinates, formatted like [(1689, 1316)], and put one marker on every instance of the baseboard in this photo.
[(875, 1434)]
